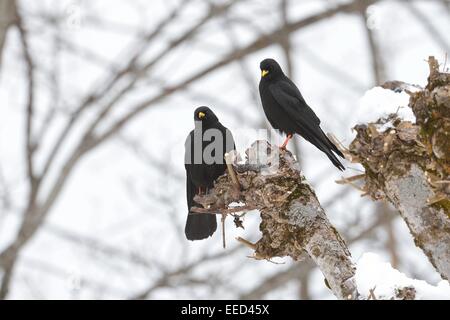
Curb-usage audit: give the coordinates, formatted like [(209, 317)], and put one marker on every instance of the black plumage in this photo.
[(287, 110), (201, 170)]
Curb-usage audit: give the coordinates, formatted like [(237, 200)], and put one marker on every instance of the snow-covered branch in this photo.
[(406, 161), (377, 279), (292, 220)]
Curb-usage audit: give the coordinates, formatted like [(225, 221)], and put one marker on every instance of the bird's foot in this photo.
[(283, 146)]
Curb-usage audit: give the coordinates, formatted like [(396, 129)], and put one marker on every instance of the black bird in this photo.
[(288, 112), (204, 167)]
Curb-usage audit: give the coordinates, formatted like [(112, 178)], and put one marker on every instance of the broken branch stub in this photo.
[(292, 220), (408, 164)]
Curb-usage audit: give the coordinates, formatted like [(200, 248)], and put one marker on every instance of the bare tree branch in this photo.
[(256, 45), (65, 275), (98, 94), (377, 57), (169, 276), (279, 279), (30, 144), (433, 32), (139, 72), (7, 17)]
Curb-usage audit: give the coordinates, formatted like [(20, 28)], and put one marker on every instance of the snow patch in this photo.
[(379, 103), (373, 272), (236, 204)]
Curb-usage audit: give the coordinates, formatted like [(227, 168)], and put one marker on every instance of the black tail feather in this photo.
[(337, 151), (321, 141), (200, 226), (335, 160), (333, 146)]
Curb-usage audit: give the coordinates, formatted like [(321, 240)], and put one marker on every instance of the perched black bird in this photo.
[(205, 148), (288, 112)]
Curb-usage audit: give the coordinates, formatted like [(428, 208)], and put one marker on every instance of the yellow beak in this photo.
[(264, 72), (201, 115)]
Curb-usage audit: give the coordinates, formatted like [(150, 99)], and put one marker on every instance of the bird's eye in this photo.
[(201, 115)]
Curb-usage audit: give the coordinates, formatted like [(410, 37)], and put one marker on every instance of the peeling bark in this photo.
[(408, 164), (292, 220)]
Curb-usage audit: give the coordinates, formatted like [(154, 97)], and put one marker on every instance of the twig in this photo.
[(247, 243), (436, 198), (255, 256), (225, 211), (231, 173), (224, 215), (350, 180), (445, 63), (346, 180), (372, 294)]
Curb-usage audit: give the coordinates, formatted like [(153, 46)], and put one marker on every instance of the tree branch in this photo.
[(408, 165), (7, 17), (432, 31), (30, 144), (293, 221), (375, 52), (260, 43)]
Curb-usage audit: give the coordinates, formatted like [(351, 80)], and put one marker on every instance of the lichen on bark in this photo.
[(293, 223), (408, 164)]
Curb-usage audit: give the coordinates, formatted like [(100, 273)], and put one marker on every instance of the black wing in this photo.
[(229, 144), (307, 123), (198, 226), (188, 160), (286, 93), (190, 190)]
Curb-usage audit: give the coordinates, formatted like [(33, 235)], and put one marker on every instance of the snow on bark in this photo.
[(292, 220), (408, 164), (376, 279), (379, 102)]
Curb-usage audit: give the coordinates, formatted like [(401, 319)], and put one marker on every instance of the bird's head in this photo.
[(205, 115), (270, 69)]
